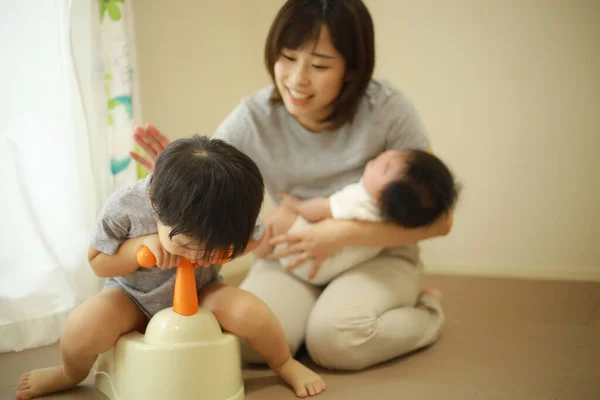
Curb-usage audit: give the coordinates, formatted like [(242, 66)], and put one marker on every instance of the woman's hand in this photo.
[(152, 141), (316, 243), (164, 259)]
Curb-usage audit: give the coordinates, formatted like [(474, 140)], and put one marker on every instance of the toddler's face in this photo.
[(183, 245), (383, 169)]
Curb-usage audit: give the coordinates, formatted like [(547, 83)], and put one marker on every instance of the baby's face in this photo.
[(383, 169), (184, 246)]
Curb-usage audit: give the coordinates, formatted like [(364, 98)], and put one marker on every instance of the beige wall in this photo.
[(510, 92), (197, 59)]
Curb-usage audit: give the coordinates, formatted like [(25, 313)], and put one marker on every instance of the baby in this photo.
[(203, 199), (411, 188)]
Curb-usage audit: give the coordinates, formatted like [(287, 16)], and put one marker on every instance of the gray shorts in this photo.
[(152, 289)]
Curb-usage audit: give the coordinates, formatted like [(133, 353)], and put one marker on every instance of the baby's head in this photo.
[(412, 187), (207, 195)]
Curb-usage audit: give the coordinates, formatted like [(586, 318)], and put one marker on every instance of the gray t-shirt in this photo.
[(128, 214), (305, 164)]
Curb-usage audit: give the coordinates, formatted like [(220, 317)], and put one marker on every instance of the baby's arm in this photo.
[(315, 209), (351, 202)]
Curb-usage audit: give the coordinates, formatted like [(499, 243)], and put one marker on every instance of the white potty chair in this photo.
[(183, 355)]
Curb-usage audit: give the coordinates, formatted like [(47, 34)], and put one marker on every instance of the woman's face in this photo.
[(309, 79)]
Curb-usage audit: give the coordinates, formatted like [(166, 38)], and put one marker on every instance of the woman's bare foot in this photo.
[(304, 381), (436, 294), (43, 381)]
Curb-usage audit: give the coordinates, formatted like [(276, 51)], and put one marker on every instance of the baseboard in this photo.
[(237, 270), (587, 274)]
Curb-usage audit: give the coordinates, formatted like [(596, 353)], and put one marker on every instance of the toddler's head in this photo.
[(207, 195)]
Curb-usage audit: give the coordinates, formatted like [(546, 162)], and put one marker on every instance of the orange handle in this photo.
[(185, 297), (146, 259)]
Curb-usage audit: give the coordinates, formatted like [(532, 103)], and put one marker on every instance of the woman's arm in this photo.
[(232, 130), (324, 238), (381, 234)]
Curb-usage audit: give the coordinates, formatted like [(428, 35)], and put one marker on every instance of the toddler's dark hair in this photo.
[(425, 192), (209, 190)]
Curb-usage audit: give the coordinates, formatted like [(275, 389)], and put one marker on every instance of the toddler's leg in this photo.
[(91, 329), (247, 317)]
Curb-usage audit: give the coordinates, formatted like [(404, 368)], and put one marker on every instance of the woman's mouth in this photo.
[(299, 99)]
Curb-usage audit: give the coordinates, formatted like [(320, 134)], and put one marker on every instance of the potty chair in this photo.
[(183, 355)]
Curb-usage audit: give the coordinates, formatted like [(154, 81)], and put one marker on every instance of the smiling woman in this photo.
[(309, 80), (319, 63)]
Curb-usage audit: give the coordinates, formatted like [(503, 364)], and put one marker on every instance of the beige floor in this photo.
[(504, 339)]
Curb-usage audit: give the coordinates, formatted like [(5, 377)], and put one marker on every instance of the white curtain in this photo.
[(66, 117)]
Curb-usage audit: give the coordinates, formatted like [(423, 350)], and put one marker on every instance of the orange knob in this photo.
[(145, 257), (185, 297)]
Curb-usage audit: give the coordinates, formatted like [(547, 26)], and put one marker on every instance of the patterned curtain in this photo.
[(121, 85)]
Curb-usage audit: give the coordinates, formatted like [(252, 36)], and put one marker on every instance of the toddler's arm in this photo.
[(122, 263), (260, 248), (258, 244)]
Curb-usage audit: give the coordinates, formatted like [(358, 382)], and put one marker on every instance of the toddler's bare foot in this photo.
[(304, 381), (436, 294), (43, 381)]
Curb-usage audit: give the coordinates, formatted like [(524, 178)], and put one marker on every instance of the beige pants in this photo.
[(366, 315)]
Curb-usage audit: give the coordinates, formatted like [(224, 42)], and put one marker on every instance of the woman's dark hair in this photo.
[(351, 29), (209, 190)]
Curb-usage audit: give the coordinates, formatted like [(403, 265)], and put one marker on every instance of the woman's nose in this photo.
[(299, 76)]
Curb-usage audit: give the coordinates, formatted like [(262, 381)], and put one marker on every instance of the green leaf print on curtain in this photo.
[(120, 84)]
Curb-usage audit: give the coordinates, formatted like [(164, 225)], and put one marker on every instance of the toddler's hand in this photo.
[(164, 259)]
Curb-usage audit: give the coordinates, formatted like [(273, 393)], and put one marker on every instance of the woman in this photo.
[(312, 133)]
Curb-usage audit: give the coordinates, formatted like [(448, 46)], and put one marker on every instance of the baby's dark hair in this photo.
[(425, 192), (209, 190)]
